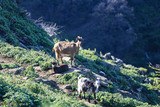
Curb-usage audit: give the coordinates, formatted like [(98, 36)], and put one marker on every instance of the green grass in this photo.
[(23, 56), (127, 77), (22, 93), (9, 66), (16, 29)]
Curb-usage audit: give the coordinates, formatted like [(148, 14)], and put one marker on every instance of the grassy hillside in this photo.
[(126, 85), (129, 29), (27, 80), (17, 30)]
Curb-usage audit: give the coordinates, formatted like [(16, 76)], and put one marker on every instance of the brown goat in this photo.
[(66, 48)]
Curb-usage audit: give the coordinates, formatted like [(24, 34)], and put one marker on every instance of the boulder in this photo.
[(102, 73), (106, 56), (48, 82), (119, 62), (37, 68), (1, 67), (113, 58), (68, 87), (19, 70)]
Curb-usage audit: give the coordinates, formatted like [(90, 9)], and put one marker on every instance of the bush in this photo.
[(117, 100), (30, 72), (9, 66), (45, 65), (18, 99)]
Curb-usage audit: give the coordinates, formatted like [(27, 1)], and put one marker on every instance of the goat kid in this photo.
[(86, 85)]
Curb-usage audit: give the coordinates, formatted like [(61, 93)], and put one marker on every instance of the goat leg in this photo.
[(89, 98), (72, 58), (95, 96), (61, 59), (84, 95), (80, 97), (95, 102)]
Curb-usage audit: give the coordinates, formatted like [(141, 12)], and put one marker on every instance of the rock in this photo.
[(104, 83), (148, 81), (2, 62), (119, 62), (35, 64), (1, 67), (61, 68), (25, 78), (68, 87), (37, 68), (102, 73), (86, 70), (124, 92), (106, 56), (48, 82), (157, 66), (19, 70), (113, 58)]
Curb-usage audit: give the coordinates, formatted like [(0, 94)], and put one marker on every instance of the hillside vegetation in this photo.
[(126, 28), (27, 80), (17, 30)]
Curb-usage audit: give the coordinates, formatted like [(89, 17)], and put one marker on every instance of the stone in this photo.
[(1, 67), (102, 73), (48, 82), (37, 68), (19, 70), (68, 87), (119, 62)]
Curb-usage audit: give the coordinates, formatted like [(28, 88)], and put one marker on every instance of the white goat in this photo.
[(86, 85), (67, 48), (97, 84)]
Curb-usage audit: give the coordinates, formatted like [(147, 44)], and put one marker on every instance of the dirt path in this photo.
[(6, 60), (49, 77)]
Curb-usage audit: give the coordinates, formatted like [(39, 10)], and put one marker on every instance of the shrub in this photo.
[(30, 72), (117, 100), (45, 65), (18, 99), (10, 66)]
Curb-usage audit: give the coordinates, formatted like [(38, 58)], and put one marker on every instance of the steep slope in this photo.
[(103, 23), (126, 28), (26, 77), (17, 30)]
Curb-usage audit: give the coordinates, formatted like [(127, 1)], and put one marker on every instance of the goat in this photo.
[(67, 48), (86, 85), (59, 69)]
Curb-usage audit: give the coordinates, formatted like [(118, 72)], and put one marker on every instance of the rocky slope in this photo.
[(26, 77)]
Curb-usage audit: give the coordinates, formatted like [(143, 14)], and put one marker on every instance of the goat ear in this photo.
[(79, 38)]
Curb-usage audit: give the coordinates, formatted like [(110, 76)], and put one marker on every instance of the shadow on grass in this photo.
[(133, 85)]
